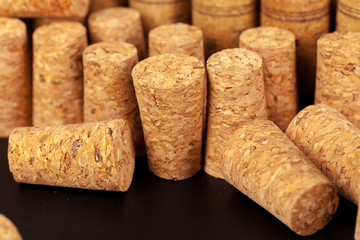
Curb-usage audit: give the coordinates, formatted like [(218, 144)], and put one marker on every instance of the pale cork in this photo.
[(169, 89), (38, 22), (236, 95), (265, 165), (98, 156), (101, 4), (58, 73), (348, 15), (108, 86), (15, 78), (277, 48), (8, 230), (357, 227), (222, 21)]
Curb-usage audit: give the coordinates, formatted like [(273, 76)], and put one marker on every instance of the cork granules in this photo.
[(348, 15), (8, 230)]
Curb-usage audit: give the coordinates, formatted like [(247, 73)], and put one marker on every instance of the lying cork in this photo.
[(276, 46), (15, 79), (101, 4), (98, 156), (265, 165), (222, 21), (108, 87), (8, 230), (118, 24), (348, 15), (169, 89), (236, 95)]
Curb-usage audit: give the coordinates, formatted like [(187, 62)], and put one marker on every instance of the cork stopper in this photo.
[(12, 33), (8, 230), (348, 15), (342, 43)]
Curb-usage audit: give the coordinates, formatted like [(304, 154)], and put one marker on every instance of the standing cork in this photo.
[(308, 20), (236, 95), (8, 230), (97, 156), (118, 24), (15, 81), (276, 46), (101, 4), (348, 15), (222, 21), (265, 165), (108, 87), (169, 89)]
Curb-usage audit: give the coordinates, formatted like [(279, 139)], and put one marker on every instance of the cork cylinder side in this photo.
[(236, 95), (348, 16), (265, 165), (38, 22), (169, 89), (8, 230), (15, 79), (276, 47), (101, 4)]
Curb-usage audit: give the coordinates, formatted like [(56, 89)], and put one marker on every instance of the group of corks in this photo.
[(95, 107)]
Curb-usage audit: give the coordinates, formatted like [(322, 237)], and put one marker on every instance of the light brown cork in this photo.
[(277, 48), (357, 227), (101, 4), (97, 155), (38, 22), (348, 16), (118, 24), (15, 79), (308, 20), (44, 8), (169, 89), (58, 73), (222, 21), (265, 165), (236, 95), (8, 230), (108, 86)]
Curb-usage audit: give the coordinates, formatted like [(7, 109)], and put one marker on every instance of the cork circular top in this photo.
[(177, 33), (110, 52), (346, 41), (116, 17), (11, 31)]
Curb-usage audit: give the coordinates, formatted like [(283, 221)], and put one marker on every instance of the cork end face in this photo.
[(176, 33), (111, 17), (82, 7), (346, 41), (8, 230), (12, 33)]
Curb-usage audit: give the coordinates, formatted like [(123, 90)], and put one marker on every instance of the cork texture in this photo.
[(265, 165), (222, 21), (108, 86), (38, 22), (277, 48), (236, 94), (169, 89), (348, 15), (8, 230), (101, 4), (15, 79), (98, 156), (357, 227), (118, 24)]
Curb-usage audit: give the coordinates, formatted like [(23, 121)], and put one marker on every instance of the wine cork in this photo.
[(108, 87), (277, 48), (44, 8), (101, 4), (58, 73), (38, 22), (15, 79), (236, 95), (169, 89), (348, 15), (118, 24), (223, 21), (98, 155), (332, 143), (8, 230), (308, 20), (265, 165)]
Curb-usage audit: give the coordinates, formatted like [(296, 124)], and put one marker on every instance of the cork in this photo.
[(308, 20), (98, 155), (101, 4), (44, 8), (222, 21), (357, 227), (8, 230), (118, 24), (348, 15), (277, 48), (108, 86), (169, 89), (236, 95), (38, 22), (58, 73), (15, 79), (265, 165)]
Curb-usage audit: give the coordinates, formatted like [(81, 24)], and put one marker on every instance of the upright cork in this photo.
[(169, 89), (108, 86), (338, 73), (277, 48), (332, 143), (101, 4), (15, 79), (222, 21), (8, 230), (265, 165), (236, 95), (308, 20), (97, 155), (348, 16), (118, 24)]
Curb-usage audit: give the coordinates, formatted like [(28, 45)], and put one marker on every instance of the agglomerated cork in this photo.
[(118, 24), (108, 87), (101, 4), (97, 155), (348, 15), (15, 79), (169, 89), (8, 230), (236, 95), (222, 21), (277, 48)]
